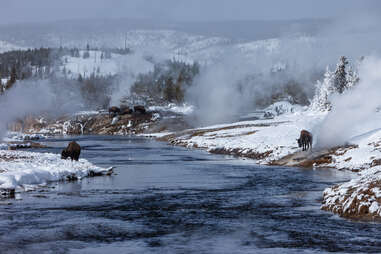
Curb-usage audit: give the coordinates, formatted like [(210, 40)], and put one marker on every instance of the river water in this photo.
[(166, 199)]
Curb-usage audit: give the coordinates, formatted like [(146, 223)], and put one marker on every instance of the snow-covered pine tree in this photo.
[(320, 101), (340, 81), (352, 78), (334, 82)]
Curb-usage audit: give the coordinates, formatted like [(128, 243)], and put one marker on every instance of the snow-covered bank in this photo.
[(361, 197), (273, 141), (265, 140), (358, 198), (23, 170)]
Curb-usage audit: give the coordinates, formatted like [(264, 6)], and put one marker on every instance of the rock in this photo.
[(115, 120)]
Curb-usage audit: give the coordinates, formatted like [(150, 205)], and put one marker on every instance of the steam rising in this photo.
[(354, 112), (247, 72), (36, 97)]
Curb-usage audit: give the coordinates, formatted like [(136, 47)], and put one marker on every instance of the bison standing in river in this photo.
[(73, 150), (305, 140)]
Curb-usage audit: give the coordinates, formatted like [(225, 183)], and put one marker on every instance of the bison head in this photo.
[(299, 142), (64, 154)]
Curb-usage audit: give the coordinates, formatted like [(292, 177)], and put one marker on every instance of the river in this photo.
[(166, 199)]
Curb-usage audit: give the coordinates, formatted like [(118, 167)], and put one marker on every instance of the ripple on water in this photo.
[(168, 199)]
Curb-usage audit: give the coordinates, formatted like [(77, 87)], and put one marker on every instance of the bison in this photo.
[(125, 110), (139, 109), (305, 140), (112, 111), (73, 150)]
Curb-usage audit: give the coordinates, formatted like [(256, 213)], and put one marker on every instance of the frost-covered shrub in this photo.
[(280, 108)]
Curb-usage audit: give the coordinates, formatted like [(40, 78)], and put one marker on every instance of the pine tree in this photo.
[(352, 78), (80, 79), (324, 89), (12, 79), (340, 80), (86, 54), (169, 90)]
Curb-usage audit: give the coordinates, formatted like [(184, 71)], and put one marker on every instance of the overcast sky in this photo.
[(20, 11)]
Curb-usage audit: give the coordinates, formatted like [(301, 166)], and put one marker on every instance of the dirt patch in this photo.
[(376, 162), (246, 153)]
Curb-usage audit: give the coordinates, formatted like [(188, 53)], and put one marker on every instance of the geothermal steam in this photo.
[(354, 112)]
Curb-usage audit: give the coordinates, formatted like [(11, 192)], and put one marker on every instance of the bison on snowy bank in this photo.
[(73, 150), (305, 140), (114, 111)]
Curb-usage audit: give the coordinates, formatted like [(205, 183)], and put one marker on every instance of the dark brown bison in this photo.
[(125, 111), (305, 140), (113, 111), (73, 150), (139, 109)]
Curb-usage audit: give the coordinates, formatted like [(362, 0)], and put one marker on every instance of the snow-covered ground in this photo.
[(131, 63), (24, 170), (274, 137), (184, 109)]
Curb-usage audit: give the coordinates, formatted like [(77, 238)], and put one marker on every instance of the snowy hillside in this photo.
[(131, 63), (6, 46)]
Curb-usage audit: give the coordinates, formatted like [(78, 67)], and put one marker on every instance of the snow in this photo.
[(86, 113), (260, 136), (18, 136), (20, 169), (282, 107), (130, 63), (7, 46), (184, 109)]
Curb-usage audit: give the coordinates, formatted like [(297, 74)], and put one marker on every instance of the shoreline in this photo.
[(266, 141)]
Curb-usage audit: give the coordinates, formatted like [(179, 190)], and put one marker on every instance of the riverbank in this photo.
[(273, 142), (267, 141), (23, 171)]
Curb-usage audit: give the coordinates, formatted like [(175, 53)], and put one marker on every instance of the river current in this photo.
[(166, 199)]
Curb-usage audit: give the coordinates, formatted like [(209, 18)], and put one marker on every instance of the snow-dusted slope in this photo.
[(6, 46), (131, 63)]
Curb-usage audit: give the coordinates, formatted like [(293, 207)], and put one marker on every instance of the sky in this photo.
[(25, 11)]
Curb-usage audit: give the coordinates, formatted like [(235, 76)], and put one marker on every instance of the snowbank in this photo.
[(19, 169), (359, 198), (185, 109), (265, 140)]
